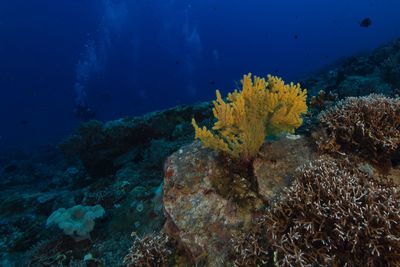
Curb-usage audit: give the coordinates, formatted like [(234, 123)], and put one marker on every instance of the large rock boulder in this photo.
[(207, 201), (197, 215)]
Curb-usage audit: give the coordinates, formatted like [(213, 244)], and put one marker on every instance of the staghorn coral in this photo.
[(250, 249), (368, 126), (48, 253), (153, 250), (341, 216), (331, 216), (260, 108)]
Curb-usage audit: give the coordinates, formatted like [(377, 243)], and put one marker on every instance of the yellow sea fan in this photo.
[(289, 103), (208, 138), (260, 108)]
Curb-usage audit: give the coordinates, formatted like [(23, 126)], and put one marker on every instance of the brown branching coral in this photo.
[(49, 253), (152, 250), (332, 217), (250, 249), (367, 126)]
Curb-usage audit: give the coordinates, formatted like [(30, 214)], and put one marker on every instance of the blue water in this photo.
[(129, 57)]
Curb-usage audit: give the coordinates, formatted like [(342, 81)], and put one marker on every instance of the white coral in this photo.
[(77, 221)]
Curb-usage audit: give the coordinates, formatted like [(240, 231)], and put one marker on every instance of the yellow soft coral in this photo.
[(260, 108)]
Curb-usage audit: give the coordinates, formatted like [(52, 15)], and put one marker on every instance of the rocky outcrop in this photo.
[(202, 216), (104, 147), (377, 72), (197, 216)]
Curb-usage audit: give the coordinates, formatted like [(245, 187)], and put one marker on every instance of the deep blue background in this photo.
[(136, 56)]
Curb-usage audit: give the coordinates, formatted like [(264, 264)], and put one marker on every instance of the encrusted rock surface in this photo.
[(202, 219), (277, 163), (197, 216)]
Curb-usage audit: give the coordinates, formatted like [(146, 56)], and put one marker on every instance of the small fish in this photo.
[(296, 36), (366, 22)]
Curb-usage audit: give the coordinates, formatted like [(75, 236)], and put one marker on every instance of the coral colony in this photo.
[(339, 209)]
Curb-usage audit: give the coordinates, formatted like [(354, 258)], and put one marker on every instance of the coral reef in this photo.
[(334, 213), (103, 147), (377, 72), (330, 216), (261, 108), (152, 250), (206, 203), (213, 211), (251, 249), (341, 217), (366, 126)]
